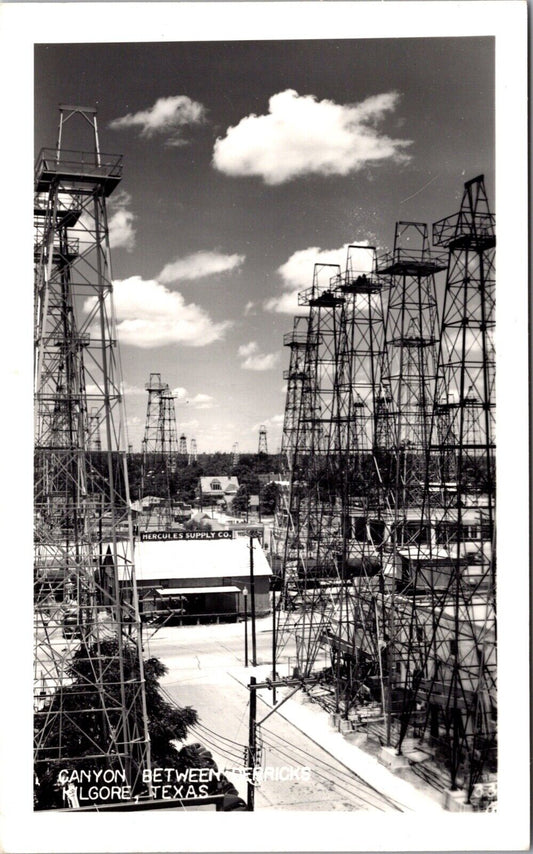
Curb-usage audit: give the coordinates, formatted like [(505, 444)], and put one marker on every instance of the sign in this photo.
[(163, 536)]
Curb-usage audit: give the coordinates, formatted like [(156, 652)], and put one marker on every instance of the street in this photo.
[(206, 672)]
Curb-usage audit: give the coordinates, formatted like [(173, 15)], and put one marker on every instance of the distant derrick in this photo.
[(262, 446), (159, 448), (193, 452)]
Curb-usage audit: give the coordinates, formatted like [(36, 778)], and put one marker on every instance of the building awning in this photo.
[(183, 591)]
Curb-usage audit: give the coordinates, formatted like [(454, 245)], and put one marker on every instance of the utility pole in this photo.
[(252, 743), (274, 644), (252, 604), (245, 598), (251, 752)]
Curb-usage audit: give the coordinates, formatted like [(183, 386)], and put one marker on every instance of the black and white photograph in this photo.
[(277, 417)]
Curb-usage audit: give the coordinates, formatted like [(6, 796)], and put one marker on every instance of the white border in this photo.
[(23, 24)]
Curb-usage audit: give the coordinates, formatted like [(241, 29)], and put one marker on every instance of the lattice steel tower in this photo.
[(314, 519), (160, 441), (193, 452), (90, 706), (354, 636), (296, 341), (182, 448), (262, 445), (456, 683), (294, 375), (403, 426), (409, 361)]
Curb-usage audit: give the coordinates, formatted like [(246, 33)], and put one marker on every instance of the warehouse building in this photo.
[(195, 576)]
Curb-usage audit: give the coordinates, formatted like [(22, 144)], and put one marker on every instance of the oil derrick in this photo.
[(182, 447), (355, 637), (406, 403), (89, 706), (262, 447), (455, 681), (294, 375), (159, 449), (409, 365), (193, 452), (235, 454), (310, 570), (297, 342)]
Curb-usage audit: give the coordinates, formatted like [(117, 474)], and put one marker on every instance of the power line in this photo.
[(349, 776)]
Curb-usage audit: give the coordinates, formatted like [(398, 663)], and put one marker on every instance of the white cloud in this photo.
[(198, 265), (301, 135), (197, 401), (249, 308), (121, 230), (180, 392), (132, 389), (285, 303), (201, 401), (248, 349), (254, 360), (297, 274), (150, 315), (168, 116), (261, 362)]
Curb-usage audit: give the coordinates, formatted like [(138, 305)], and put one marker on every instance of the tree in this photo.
[(241, 501), (268, 499), (78, 732)]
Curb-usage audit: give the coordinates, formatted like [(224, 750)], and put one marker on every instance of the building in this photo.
[(197, 575), (217, 490)]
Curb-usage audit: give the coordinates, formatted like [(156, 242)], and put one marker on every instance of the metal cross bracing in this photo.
[(354, 637), (90, 706), (159, 451), (314, 519), (409, 361), (407, 378), (235, 456), (412, 637), (296, 340), (453, 680)]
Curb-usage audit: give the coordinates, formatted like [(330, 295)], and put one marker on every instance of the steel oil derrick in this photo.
[(458, 689), (160, 450), (89, 701)]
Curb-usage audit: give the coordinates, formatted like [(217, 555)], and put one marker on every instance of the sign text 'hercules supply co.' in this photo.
[(161, 536)]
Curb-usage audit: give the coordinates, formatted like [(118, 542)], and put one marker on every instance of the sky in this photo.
[(245, 163)]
